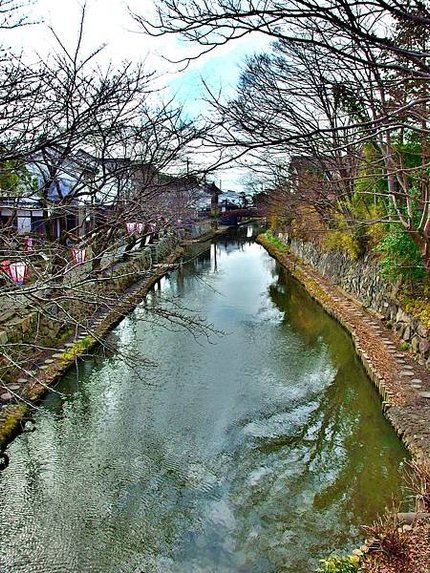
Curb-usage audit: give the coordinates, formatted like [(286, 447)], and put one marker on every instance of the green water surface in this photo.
[(259, 450)]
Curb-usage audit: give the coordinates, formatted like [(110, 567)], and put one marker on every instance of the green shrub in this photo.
[(401, 258), (418, 306), (344, 241), (343, 237), (335, 564)]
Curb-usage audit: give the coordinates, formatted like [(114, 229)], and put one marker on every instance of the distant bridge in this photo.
[(234, 216)]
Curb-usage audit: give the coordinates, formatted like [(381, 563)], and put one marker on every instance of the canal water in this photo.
[(258, 447)]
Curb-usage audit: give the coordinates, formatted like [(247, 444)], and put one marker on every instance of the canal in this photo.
[(258, 448)]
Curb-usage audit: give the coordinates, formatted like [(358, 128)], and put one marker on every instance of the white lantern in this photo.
[(18, 272), (131, 227)]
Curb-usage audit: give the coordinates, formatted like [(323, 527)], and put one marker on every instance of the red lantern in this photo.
[(4, 266), (19, 272), (79, 256)]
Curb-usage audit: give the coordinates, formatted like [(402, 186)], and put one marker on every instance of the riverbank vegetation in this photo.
[(275, 241)]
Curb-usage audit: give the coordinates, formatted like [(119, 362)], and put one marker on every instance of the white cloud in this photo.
[(107, 22)]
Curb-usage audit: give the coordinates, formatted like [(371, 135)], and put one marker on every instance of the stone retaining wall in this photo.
[(45, 325), (361, 279)]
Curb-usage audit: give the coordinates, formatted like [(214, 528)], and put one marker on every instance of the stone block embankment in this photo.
[(361, 278)]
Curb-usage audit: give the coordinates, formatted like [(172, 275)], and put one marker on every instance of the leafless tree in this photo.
[(366, 69), (93, 147), (210, 24)]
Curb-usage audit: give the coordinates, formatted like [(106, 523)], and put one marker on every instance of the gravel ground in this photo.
[(413, 555)]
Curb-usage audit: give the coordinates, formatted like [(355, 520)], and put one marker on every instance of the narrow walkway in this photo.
[(403, 384)]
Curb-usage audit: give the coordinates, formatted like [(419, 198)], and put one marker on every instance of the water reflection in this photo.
[(255, 453)]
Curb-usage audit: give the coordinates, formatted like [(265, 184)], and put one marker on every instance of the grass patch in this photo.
[(275, 241), (335, 564), (77, 349)]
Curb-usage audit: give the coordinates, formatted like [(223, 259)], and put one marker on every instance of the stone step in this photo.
[(14, 387)]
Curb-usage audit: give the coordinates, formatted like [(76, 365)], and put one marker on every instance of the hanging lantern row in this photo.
[(79, 256), (153, 226), (135, 228), (18, 271)]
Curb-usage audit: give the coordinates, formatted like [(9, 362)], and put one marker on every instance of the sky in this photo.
[(109, 22)]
